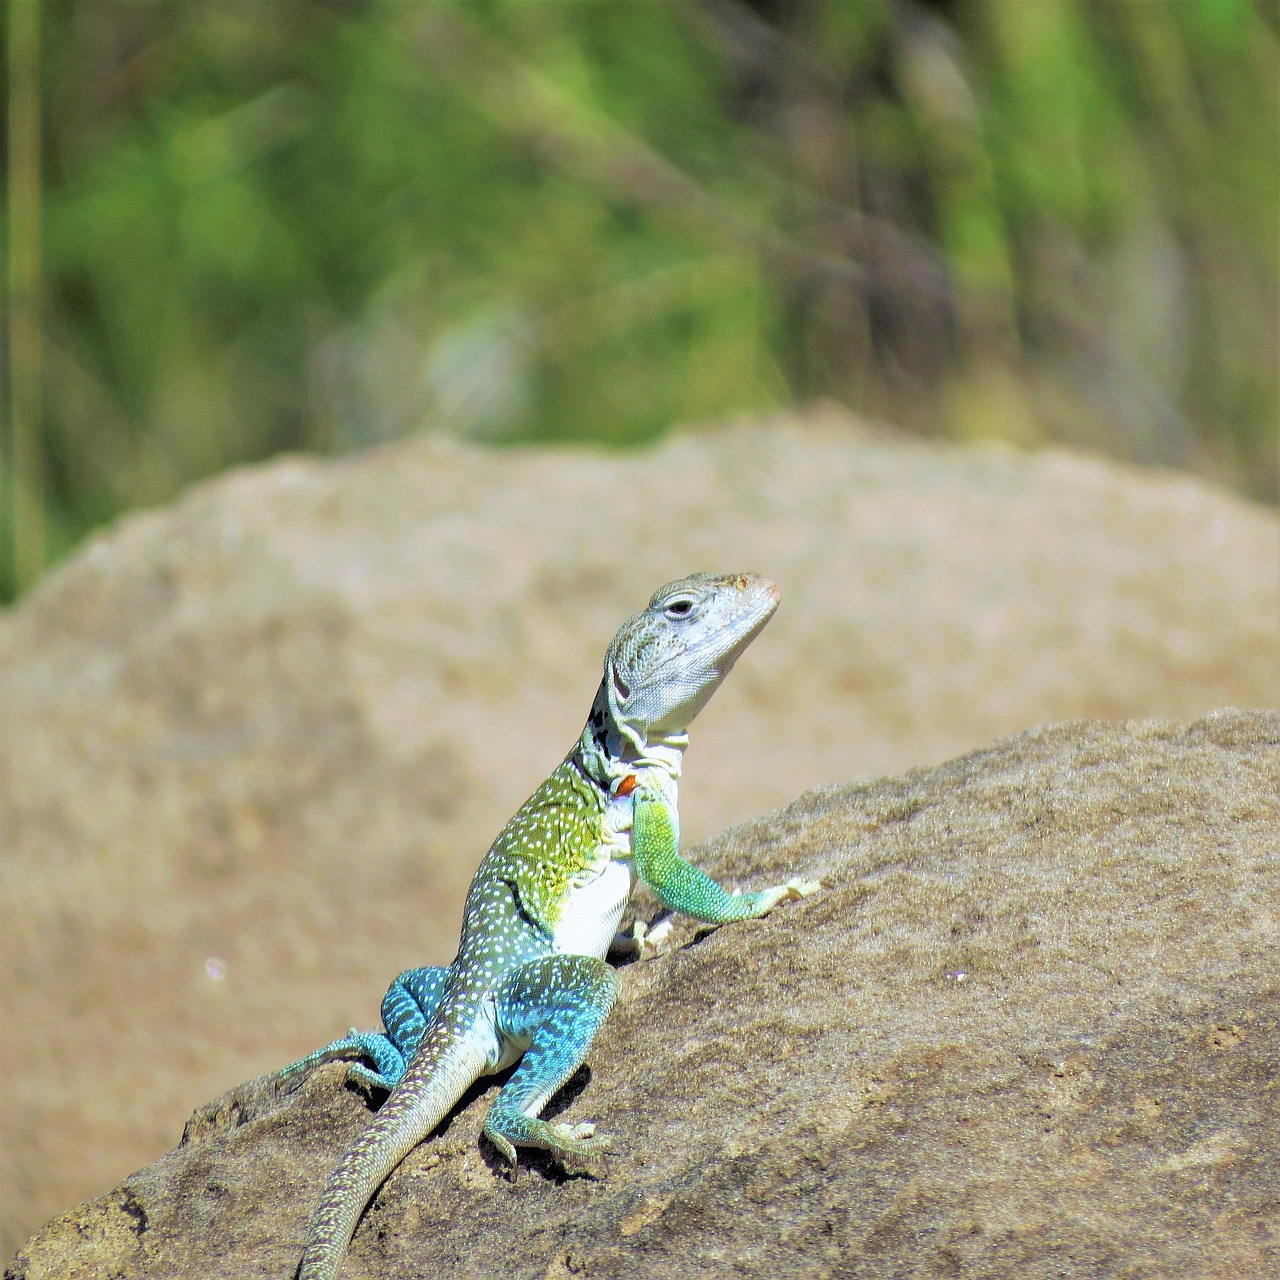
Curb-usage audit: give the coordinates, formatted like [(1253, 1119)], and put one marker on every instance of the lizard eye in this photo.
[(680, 607)]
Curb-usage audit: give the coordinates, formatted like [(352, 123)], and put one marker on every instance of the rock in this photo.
[(252, 746), (1029, 1029)]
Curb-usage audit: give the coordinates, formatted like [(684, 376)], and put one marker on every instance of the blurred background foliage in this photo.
[(296, 224)]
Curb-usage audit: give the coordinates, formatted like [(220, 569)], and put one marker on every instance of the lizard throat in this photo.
[(608, 751)]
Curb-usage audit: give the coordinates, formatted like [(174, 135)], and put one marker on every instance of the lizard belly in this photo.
[(591, 912)]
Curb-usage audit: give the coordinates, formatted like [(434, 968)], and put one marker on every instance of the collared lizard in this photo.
[(530, 983)]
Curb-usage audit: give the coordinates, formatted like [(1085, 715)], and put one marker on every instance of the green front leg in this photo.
[(655, 842)]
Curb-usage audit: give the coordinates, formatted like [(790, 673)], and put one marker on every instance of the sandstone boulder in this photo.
[(1029, 1029)]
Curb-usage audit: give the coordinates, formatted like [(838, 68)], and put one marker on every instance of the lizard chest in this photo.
[(592, 908), (595, 898), (567, 853)]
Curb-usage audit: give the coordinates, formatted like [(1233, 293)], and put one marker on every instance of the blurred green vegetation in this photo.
[(290, 224)]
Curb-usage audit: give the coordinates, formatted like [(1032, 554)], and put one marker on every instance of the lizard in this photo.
[(530, 983)]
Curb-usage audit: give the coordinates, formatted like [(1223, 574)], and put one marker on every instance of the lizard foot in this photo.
[(578, 1146), (794, 889), (651, 942), (642, 942), (388, 1061)]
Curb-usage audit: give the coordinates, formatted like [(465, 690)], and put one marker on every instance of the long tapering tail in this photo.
[(446, 1063)]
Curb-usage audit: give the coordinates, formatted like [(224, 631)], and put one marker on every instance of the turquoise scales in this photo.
[(529, 983)]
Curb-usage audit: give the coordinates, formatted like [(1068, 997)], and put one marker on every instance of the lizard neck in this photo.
[(611, 748)]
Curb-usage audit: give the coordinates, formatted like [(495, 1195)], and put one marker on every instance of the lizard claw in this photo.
[(579, 1146), (798, 888)]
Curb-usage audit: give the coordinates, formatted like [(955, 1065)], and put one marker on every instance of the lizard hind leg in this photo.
[(410, 1003), (407, 1008), (556, 1004), (388, 1062)]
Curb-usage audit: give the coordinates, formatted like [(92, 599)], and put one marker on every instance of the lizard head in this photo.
[(667, 661)]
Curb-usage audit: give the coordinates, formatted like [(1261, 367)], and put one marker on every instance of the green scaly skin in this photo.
[(529, 983)]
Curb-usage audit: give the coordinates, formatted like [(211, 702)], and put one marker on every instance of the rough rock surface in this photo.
[(1030, 1029), (252, 746)]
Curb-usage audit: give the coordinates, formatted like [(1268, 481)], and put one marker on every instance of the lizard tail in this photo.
[(441, 1071)]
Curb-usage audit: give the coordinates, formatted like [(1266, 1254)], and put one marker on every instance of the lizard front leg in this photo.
[(655, 843)]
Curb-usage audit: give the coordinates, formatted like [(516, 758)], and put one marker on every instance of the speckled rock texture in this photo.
[(1029, 1029), (252, 746)]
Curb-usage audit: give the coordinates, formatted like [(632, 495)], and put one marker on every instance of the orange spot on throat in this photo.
[(626, 786)]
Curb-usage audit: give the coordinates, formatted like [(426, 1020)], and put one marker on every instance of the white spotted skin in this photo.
[(556, 837), (591, 908)]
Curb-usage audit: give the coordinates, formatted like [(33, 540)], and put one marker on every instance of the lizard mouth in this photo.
[(742, 626)]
